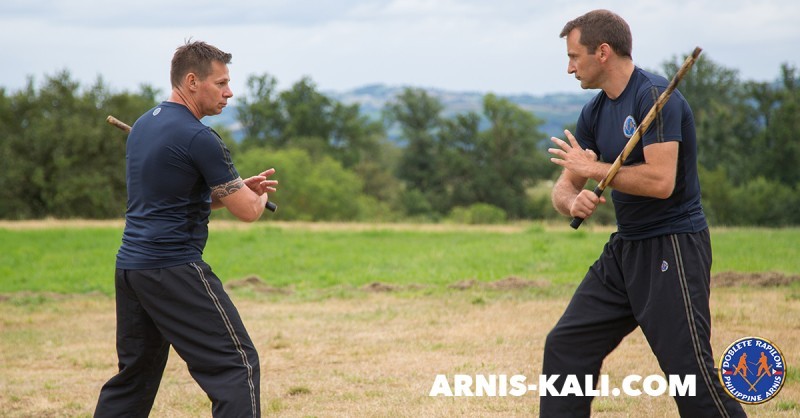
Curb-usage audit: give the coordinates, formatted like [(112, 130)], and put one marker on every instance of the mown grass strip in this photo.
[(80, 260)]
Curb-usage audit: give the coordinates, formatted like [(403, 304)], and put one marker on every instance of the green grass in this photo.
[(63, 260), (70, 260), (756, 250)]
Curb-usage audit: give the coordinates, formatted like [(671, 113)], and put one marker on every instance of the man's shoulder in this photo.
[(171, 116), (596, 101), (646, 80)]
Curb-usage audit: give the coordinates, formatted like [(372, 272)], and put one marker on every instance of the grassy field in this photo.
[(334, 343), (77, 258)]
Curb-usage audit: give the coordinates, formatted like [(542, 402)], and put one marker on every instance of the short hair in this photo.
[(195, 57), (602, 26)]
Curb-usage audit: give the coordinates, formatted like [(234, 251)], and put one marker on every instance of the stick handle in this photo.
[(643, 126), (118, 123)]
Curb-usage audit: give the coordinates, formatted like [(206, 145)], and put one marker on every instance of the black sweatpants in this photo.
[(186, 307), (659, 284)]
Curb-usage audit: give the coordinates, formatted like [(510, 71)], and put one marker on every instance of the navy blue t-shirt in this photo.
[(173, 160), (605, 126)]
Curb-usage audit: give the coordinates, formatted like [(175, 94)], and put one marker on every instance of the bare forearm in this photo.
[(564, 193), (562, 200), (240, 200), (253, 210)]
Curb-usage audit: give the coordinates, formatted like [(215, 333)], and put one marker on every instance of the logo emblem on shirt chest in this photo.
[(629, 126)]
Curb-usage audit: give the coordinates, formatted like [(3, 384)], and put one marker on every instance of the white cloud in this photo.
[(505, 46)]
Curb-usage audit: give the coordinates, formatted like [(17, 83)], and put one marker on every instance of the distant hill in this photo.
[(556, 110)]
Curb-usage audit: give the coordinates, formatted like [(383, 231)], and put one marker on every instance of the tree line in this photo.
[(60, 158)]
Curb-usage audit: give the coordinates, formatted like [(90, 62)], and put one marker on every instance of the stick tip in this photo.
[(697, 51)]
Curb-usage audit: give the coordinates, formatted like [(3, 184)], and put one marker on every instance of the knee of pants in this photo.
[(254, 361), (564, 353), (555, 348), (555, 341)]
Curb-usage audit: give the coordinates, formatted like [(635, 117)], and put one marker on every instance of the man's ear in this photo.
[(191, 81), (604, 52)]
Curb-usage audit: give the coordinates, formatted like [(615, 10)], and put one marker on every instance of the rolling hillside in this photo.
[(556, 110)]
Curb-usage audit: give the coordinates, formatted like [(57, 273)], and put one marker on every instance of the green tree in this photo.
[(302, 117), (354, 138), (725, 127), (747, 146), (308, 112), (62, 159), (464, 160), (452, 162), (776, 150), (419, 118), (515, 158), (260, 113)]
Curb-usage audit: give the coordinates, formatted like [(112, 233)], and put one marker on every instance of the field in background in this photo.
[(357, 320), (78, 257)]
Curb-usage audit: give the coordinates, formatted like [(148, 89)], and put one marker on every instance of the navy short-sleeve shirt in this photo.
[(172, 161), (605, 125)]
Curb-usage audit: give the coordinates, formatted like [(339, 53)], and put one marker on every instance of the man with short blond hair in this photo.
[(178, 170)]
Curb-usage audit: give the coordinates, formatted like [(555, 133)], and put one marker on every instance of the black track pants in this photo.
[(659, 284), (186, 307)]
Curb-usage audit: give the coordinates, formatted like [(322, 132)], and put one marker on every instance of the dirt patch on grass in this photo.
[(464, 284), (761, 279), (515, 283), (28, 297), (508, 283), (378, 287), (256, 285)]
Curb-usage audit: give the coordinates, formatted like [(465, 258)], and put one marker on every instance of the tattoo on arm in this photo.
[(226, 189)]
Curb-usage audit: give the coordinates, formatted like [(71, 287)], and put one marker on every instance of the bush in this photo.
[(478, 213), (416, 205), (311, 189), (764, 203), (717, 197), (540, 206)]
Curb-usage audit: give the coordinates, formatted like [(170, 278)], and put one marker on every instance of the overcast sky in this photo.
[(500, 46)]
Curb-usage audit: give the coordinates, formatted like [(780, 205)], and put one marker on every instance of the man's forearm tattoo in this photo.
[(226, 189)]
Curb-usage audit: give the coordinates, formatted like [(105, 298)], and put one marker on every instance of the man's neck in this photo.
[(179, 97), (618, 78)]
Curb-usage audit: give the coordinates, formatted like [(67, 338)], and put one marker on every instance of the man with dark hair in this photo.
[(177, 171), (654, 272)]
